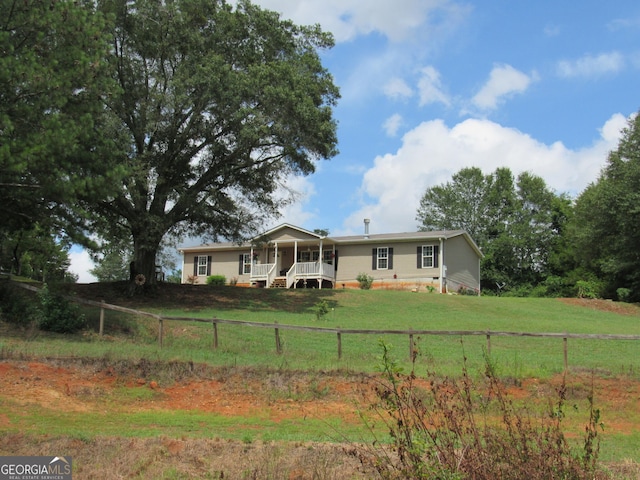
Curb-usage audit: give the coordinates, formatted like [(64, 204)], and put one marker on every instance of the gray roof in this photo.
[(350, 239)]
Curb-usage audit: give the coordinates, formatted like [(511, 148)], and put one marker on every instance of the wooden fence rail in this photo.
[(277, 327)]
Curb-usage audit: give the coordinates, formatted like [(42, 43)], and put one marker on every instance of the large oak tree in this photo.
[(218, 105)]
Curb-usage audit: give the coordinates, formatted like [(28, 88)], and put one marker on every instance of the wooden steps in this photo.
[(280, 282)]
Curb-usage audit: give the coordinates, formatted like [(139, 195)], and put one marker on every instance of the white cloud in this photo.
[(504, 81), (81, 263), (591, 66), (393, 124), (347, 19), (430, 88), (397, 88), (432, 152)]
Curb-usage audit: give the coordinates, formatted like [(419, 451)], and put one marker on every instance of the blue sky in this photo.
[(432, 86)]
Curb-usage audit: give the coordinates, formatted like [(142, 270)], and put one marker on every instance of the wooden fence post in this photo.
[(215, 333), (411, 347), (160, 331), (102, 318), (566, 355), (488, 343), (339, 344), (278, 344)]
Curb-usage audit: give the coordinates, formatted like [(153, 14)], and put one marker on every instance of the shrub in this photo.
[(321, 309), (588, 289), (216, 280), (17, 306), (442, 432), (624, 294), (58, 314), (365, 281)]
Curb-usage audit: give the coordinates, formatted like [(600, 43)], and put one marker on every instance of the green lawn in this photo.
[(358, 309)]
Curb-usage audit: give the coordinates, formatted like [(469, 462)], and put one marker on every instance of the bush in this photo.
[(588, 289), (321, 309), (17, 306), (624, 294), (442, 431), (365, 281), (216, 280), (58, 314)]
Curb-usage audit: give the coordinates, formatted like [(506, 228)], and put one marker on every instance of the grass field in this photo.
[(527, 363), (356, 309)]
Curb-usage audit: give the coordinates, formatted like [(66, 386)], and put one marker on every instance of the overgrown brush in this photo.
[(457, 429)]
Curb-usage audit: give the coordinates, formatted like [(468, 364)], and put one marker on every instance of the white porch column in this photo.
[(442, 267), (321, 261), (295, 264)]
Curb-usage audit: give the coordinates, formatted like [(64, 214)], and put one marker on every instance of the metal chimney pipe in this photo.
[(366, 227)]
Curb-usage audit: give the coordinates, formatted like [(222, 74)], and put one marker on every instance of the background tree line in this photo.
[(538, 242)]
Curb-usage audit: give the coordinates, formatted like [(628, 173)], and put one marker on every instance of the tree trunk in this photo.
[(142, 274)]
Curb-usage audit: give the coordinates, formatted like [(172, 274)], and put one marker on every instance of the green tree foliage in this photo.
[(518, 223), (218, 104), (112, 265), (52, 80), (36, 254), (607, 215)]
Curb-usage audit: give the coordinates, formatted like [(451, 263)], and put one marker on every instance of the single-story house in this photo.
[(292, 257)]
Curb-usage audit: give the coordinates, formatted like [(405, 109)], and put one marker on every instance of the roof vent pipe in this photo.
[(366, 227)]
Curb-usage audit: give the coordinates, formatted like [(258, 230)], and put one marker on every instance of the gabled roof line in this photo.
[(350, 239)]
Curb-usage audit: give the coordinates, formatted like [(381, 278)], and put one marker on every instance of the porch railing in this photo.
[(267, 271)]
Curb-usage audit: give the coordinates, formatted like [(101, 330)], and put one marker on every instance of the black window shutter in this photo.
[(390, 264), (374, 259), (335, 260), (241, 264), (436, 255), (419, 257), (208, 265), (195, 266)]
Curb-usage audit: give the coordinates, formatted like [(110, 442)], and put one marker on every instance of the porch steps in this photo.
[(279, 283)]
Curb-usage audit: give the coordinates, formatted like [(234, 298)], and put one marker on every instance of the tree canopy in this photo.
[(52, 82), (514, 221), (217, 106), (607, 215)]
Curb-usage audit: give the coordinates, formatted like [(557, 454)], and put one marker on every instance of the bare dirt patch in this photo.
[(73, 387), (604, 305)]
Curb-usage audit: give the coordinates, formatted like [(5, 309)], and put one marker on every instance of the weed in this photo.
[(455, 429), (321, 309)]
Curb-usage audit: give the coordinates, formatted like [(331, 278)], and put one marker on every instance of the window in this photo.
[(427, 256), (327, 257), (383, 258), (304, 256), (202, 265), (246, 263)]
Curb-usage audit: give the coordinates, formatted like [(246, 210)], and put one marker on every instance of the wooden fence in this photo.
[(276, 327)]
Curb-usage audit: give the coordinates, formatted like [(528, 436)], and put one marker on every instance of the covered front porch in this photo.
[(294, 264)]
